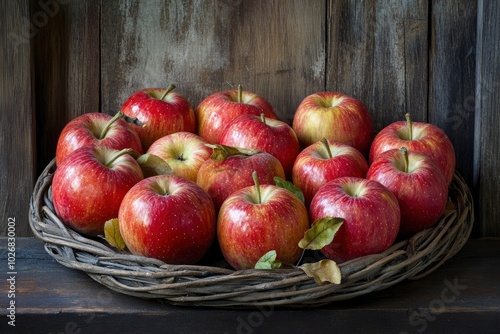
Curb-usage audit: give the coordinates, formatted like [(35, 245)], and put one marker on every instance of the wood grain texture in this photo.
[(488, 118), (462, 296), (437, 60), (377, 52), (274, 49), (17, 121), (278, 50), (158, 43), (66, 69), (452, 76)]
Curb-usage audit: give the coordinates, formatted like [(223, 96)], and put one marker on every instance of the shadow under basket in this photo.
[(218, 286)]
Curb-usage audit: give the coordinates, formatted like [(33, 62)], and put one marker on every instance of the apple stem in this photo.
[(263, 118), (327, 147), (409, 126), (404, 151), (117, 155), (108, 125), (168, 90), (240, 93), (256, 181)]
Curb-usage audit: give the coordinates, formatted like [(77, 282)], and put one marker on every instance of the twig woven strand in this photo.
[(214, 286)]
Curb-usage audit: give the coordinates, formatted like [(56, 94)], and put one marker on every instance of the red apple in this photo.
[(371, 217), (169, 218), (230, 169), (417, 136), (269, 135), (162, 111), (216, 111), (96, 129), (184, 152), (324, 161), (257, 219), (418, 184), (335, 116), (89, 185)]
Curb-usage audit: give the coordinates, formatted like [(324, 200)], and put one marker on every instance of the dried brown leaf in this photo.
[(323, 271)]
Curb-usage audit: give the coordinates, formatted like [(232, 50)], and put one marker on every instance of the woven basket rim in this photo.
[(218, 286)]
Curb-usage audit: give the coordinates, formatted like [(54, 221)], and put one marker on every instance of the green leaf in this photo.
[(321, 233), (112, 234), (268, 261), (323, 271), (152, 165), (289, 186)]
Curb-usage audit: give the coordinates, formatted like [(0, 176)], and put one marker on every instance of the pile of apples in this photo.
[(177, 180)]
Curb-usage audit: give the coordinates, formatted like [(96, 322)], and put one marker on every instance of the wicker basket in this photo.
[(220, 286)]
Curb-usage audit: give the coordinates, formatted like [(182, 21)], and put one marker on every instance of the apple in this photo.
[(336, 116), (217, 110), (268, 135), (418, 184), (230, 169), (167, 217), (163, 112), (184, 152), (260, 218), (324, 161), (96, 129), (371, 216), (89, 185), (417, 136)]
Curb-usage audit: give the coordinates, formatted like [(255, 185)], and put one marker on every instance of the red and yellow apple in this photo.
[(230, 169), (336, 116), (184, 152), (422, 137), (89, 185), (371, 216), (325, 161), (418, 184), (162, 111), (257, 219), (168, 217), (217, 110), (268, 135), (96, 129)]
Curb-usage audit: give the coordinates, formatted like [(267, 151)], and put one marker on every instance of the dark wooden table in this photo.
[(463, 296)]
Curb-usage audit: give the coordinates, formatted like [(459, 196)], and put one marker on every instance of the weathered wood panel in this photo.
[(66, 68), (437, 60), (274, 48), (278, 47), (452, 76), (487, 143), (17, 123), (462, 296), (377, 52)]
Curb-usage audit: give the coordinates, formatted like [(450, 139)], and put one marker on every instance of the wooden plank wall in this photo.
[(487, 142), (274, 48), (17, 123), (66, 69), (436, 59)]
